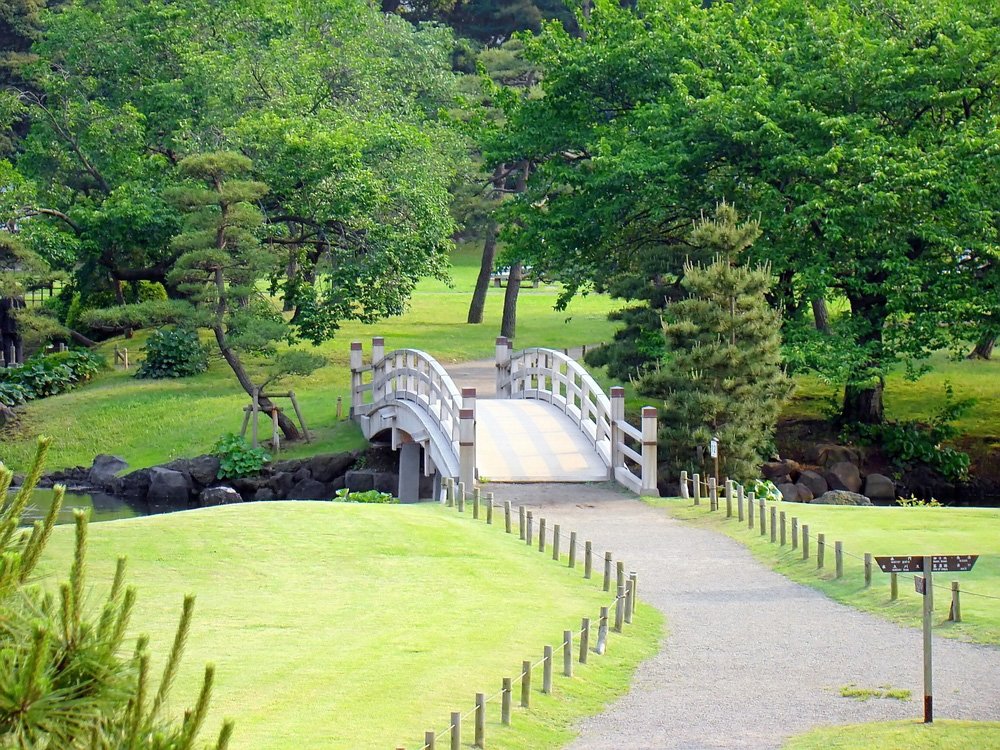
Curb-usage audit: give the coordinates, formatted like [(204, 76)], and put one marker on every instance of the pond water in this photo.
[(102, 507)]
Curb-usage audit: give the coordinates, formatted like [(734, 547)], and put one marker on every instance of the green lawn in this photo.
[(883, 531), (902, 735), (149, 422), (354, 626)]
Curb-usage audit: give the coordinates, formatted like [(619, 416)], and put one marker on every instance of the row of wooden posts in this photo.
[(779, 527), (624, 586)]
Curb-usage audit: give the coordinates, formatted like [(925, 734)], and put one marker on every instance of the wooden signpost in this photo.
[(928, 565)]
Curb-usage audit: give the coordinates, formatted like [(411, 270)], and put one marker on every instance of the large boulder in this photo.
[(263, 494), (841, 497), (328, 467), (814, 481), (844, 476), (780, 471), (359, 481), (168, 487), (309, 489), (220, 496), (104, 470), (789, 492), (203, 470), (806, 494), (281, 483), (828, 454), (134, 484), (879, 487), (384, 481)]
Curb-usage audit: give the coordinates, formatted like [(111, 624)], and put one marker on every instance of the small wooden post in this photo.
[(805, 541), (684, 485), (505, 698), (340, 408), (620, 608), (696, 479), (739, 504), (729, 498), (955, 614), (520, 513), (619, 574), (456, 730), (838, 554), (750, 502), (588, 559), (763, 521), (567, 653), (460, 497), (489, 508), (795, 532), (506, 517), (572, 549), (713, 495), (584, 639), (774, 524), (555, 541), (476, 499), (868, 569), (480, 720), (525, 683), (628, 601), (784, 528), (449, 492), (541, 534), (298, 413), (634, 577), (893, 586), (429, 739), (529, 535), (547, 670), (607, 571), (820, 550), (602, 632)]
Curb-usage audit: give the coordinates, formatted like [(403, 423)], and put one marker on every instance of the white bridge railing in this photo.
[(414, 377), (548, 375)]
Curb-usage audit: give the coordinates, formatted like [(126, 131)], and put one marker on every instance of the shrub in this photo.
[(764, 489), (49, 374), (11, 394), (237, 458), (173, 353), (368, 496)]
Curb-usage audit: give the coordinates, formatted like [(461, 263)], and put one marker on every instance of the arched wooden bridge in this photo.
[(547, 421)]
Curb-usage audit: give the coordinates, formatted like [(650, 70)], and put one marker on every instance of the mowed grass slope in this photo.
[(149, 422), (357, 626), (902, 735), (883, 531)]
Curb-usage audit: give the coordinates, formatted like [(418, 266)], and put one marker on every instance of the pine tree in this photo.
[(722, 375)]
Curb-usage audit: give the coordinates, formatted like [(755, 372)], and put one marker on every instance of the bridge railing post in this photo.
[(357, 360), (649, 452), (378, 354), (617, 415), (503, 367), (469, 398), (467, 446)]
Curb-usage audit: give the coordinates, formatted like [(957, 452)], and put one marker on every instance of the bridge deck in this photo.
[(532, 441)]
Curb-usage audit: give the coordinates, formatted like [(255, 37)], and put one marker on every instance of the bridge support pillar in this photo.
[(409, 473)]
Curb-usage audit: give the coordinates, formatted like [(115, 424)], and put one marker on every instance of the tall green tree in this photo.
[(863, 134), (722, 376)]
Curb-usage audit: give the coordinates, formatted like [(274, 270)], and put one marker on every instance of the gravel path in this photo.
[(751, 658)]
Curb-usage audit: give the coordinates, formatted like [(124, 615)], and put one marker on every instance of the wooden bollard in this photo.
[(505, 698), (460, 497), (805, 541), (868, 569), (456, 730), (684, 485), (795, 532), (729, 498), (489, 508), (547, 670), (620, 608), (607, 571), (750, 501), (541, 534), (449, 492), (713, 495), (763, 522), (588, 559), (480, 720), (529, 536), (507, 526), (820, 550), (476, 500), (567, 653), (634, 577), (572, 549), (628, 601), (739, 504), (521, 515), (774, 524), (696, 479), (619, 574), (602, 632), (429, 739), (584, 639), (955, 613), (838, 555), (525, 683), (555, 542), (893, 586)]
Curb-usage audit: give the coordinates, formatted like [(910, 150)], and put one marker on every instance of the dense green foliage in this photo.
[(724, 377), (47, 375), (63, 681), (172, 353), (369, 496), (237, 458)]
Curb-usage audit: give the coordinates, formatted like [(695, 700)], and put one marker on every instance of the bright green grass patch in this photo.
[(883, 691), (901, 735), (152, 421), (883, 531), (355, 626)]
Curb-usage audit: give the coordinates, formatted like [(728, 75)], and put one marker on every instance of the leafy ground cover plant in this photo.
[(172, 353), (369, 496), (237, 458), (48, 375)]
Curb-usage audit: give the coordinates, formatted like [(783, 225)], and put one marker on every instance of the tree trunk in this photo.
[(478, 303), (821, 315), (984, 347), (863, 391), (120, 299), (508, 325), (291, 274), (863, 404), (81, 339)]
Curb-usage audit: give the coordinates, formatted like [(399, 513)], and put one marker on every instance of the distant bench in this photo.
[(501, 276)]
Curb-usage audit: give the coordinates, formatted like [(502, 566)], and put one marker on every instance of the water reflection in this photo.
[(103, 507)]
